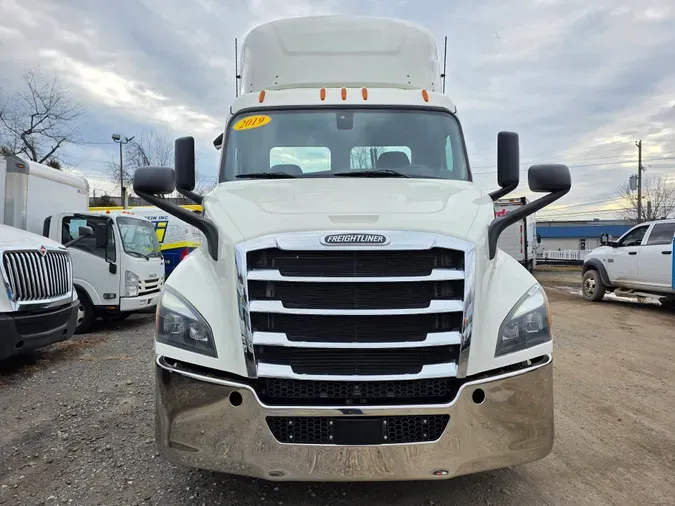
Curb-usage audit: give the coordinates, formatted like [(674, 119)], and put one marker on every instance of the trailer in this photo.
[(520, 239)]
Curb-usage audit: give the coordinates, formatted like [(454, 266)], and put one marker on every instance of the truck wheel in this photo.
[(86, 315), (668, 303), (592, 287)]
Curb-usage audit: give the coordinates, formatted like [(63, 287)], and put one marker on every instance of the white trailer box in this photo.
[(520, 239)]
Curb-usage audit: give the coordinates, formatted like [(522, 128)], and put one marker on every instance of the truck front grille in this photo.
[(149, 286), (322, 315), (294, 392), (343, 263), (358, 430), (355, 361), (36, 276)]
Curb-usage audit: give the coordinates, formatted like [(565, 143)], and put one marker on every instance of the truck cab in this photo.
[(38, 305), (639, 263), (349, 315), (116, 271)]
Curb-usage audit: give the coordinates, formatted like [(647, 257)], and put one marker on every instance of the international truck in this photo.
[(520, 239), (116, 271), (349, 315), (38, 305)]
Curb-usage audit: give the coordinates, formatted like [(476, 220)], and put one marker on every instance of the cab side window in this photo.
[(70, 229), (662, 233), (634, 237)]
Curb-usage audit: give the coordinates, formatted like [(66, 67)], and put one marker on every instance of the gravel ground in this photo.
[(76, 425)]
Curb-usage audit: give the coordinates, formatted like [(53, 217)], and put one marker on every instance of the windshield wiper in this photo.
[(139, 254), (266, 175), (371, 173)]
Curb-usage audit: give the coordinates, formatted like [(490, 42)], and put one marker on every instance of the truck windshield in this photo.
[(344, 142), (138, 237)]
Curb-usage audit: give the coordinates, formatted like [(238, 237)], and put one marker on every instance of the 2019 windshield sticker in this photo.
[(252, 122)]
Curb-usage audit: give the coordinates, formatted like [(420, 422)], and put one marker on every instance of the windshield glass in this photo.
[(330, 142), (138, 237)]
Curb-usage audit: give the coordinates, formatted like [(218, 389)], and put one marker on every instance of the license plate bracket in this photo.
[(358, 431)]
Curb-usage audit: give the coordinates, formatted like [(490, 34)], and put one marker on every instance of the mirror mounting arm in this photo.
[(497, 194), (194, 197), (500, 224), (206, 226)]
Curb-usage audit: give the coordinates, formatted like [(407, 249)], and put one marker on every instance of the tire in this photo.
[(86, 314), (668, 303), (592, 287)]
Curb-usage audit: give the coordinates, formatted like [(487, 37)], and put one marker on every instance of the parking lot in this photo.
[(76, 424)]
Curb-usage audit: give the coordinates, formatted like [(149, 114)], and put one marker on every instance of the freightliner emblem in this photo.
[(352, 239)]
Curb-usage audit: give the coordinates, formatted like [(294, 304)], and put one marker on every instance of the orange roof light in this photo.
[(343, 92), (262, 96), (322, 93), (425, 95), (364, 93)]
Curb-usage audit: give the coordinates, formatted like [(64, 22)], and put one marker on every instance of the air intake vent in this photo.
[(35, 276)]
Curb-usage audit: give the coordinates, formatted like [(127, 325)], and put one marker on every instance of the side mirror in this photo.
[(508, 164), (151, 182), (155, 180), (549, 177), (184, 163), (85, 231), (604, 240), (554, 179), (82, 233), (538, 239)]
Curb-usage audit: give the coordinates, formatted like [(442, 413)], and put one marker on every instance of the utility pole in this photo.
[(118, 139), (639, 180)]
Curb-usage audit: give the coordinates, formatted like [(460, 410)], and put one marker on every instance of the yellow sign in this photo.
[(252, 122)]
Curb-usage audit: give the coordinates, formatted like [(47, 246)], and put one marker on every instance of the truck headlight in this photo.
[(528, 323), (179, 324), (130, 284)]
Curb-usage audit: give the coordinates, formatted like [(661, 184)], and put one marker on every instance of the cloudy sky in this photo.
[(580, 81)]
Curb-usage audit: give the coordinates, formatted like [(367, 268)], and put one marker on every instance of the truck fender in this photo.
[(88, 291), (596, 264)]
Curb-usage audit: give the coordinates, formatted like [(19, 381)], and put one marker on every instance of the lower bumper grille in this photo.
[(357, 430), (289, 392)]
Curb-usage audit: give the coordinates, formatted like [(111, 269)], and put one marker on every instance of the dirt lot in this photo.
[(76, 424)]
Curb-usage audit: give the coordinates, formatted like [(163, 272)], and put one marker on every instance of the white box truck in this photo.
[(349, 315), (116, 271), (520, 239), (176, 238)]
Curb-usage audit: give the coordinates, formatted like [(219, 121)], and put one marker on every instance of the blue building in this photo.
[(578, 235)]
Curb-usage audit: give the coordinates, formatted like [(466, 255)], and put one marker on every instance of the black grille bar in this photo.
[(392, 295), (360, 329), (356, 263), (355, 361), (358, 430), (280, 392)]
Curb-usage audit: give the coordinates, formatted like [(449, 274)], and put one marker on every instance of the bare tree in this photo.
[(146, 149), (39, 119), (658, 199), (365, 157)]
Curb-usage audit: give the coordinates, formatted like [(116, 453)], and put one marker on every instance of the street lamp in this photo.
[(120, 140)]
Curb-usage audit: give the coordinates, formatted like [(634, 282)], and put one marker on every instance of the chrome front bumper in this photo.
[(196, 425)]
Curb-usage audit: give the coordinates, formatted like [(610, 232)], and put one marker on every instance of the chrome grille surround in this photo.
[(36, 277), (313, 241)]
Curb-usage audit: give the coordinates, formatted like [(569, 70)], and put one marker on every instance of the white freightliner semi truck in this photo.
[(349, 315)]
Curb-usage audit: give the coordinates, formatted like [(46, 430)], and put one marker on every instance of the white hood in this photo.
[(11, 237), (263, 207)]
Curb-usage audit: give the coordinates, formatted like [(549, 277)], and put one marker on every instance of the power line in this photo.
[(604, 164)]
